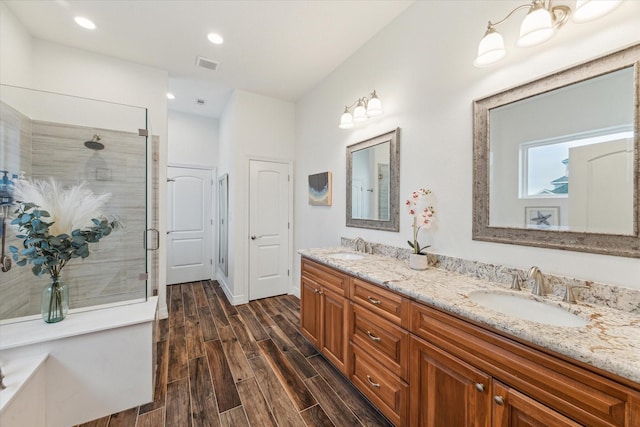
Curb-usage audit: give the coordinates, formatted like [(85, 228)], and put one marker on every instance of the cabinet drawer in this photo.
[(325, 276), (383, 302), (386, 342), (385, 390), (572, 390)]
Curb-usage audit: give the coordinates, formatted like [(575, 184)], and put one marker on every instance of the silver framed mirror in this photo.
[(557, 160), (373, 178)]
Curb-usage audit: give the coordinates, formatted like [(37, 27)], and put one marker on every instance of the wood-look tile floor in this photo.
[(248, 365)]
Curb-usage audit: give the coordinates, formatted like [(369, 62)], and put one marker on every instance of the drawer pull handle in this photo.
[(376, 385), (499, 400), (480, 387), (374, 301), (373, 337)]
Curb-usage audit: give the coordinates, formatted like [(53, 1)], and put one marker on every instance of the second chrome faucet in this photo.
[(535, 279)]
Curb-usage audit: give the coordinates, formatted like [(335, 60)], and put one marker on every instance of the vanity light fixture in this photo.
[(365, 108), (542, 21)]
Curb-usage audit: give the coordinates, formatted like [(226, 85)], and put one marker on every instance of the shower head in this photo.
[(95, 143)]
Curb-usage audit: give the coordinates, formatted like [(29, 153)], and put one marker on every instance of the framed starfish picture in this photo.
[(542, 217)]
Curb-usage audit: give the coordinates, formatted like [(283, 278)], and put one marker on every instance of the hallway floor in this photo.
[(220, 365)]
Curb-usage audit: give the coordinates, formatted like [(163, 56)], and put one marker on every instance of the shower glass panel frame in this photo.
[(42, 137)]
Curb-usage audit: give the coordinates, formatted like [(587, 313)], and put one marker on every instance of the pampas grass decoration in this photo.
[(70, 208)]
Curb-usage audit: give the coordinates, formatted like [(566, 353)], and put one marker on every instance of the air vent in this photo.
[(207, 63)]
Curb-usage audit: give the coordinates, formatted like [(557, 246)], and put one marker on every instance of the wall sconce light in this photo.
[(365, 108), (539, 25)]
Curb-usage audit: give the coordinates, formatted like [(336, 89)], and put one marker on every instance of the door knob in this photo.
[(253, 237)]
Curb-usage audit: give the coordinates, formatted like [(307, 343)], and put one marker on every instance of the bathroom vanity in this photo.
[(426, 354)]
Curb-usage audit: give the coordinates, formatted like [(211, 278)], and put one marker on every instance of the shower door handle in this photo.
[(145, 239)]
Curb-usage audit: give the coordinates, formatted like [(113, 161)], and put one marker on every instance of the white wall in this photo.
[(252, 126), (15, 57), (193, 140), (421, 67)]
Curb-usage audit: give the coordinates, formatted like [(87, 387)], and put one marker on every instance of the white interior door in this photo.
[(189, 225), (601, 187), (268, 229)]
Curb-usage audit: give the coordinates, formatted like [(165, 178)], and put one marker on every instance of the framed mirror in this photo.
[(373, 178), (557, 160)]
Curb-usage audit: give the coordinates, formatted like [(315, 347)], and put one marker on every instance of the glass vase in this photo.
[(55, 301)]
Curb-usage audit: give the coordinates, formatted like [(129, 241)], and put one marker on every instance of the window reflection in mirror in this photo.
[(564, 159), (372, 183)]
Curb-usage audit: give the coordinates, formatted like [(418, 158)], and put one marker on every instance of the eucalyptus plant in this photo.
[(49, 253)]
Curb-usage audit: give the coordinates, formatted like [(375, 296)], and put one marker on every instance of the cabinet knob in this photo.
[(373, 337), (376, 385), (499, 400), (480, 387), (374, 301)]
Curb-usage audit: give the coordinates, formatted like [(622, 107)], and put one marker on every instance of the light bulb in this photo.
[(536, 27), (360, 113), (374, 106), (491, 48), (85, 23), (215, 38), (346, 120)]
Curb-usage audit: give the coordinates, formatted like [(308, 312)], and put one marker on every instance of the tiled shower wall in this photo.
[(110, 273), (15, 156)]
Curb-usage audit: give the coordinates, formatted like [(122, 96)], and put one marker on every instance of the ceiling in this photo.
[(280, 49)]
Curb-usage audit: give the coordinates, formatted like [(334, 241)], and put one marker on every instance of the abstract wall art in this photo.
[(320, 189)]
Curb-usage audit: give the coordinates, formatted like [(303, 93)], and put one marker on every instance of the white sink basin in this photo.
[(527, 309), (346, 256)]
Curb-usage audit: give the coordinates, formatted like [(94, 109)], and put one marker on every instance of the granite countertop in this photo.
[(609, 341)]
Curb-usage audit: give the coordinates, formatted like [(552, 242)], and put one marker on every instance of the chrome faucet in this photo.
[(536, 280), (357, 242)]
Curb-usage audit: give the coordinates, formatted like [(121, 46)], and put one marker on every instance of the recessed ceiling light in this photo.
[(215, 38), (170, 95), (85, 23)]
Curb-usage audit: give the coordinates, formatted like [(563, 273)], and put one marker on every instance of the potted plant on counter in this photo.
[(423, 217)]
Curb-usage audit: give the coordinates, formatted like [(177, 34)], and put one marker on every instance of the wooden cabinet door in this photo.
[(445, 391), (333, 318), (514, 409), (310, 322)]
